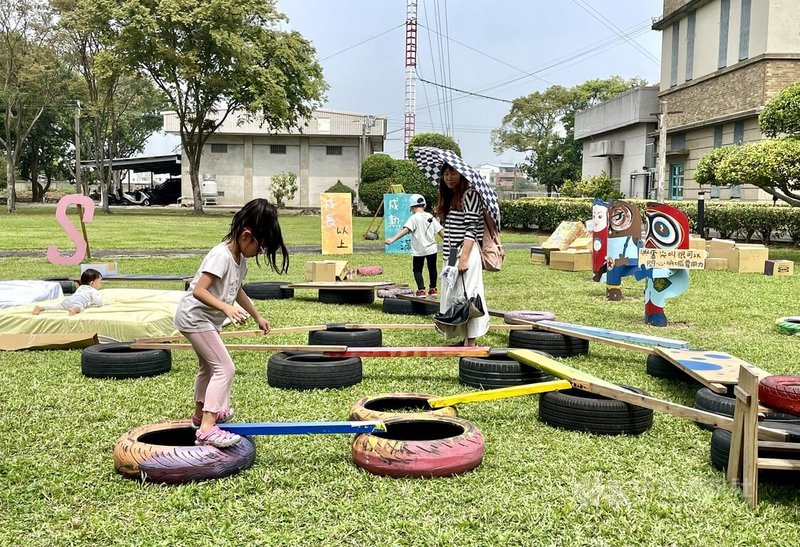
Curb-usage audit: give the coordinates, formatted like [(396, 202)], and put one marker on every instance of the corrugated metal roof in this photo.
[(322, 122)]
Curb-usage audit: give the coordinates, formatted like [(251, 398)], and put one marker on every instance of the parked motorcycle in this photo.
[(137, 197)]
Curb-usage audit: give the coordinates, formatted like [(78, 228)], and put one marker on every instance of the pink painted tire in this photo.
[(432, 446), (528, 316), (394, 405), (166, 453), (781, 393), (369, 270)]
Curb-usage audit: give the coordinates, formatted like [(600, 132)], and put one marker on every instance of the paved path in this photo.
[(154, 253)]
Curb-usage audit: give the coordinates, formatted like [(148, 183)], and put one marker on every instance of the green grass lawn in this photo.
[(537, 485)]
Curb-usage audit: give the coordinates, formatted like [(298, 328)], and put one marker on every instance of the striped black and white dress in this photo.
[(466, 223)]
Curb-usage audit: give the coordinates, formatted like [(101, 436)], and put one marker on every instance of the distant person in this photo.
[(423, 228), (85, 296), (212, 293)]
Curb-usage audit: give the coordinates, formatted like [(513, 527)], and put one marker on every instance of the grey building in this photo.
[(242, 155), (617, 140)]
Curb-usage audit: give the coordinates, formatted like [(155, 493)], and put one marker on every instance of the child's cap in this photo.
[(416, 200)]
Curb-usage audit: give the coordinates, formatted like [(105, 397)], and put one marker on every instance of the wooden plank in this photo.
[(559, 370), (500, 393), (674, 409), (584, 336), (413, 351), (246, 347), (630, 337), (748, 383), (236, 333), (421, 326), (774, 445), (708, 367), (778, 463), (343, 285), (303, 428), (734, 472)]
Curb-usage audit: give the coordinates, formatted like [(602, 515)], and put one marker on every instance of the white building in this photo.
[(242, 156)]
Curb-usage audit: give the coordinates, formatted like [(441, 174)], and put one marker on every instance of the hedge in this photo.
[(736, 220), (404, 172)]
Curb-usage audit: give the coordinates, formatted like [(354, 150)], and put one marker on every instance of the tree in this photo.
[(593, 186), (283, 185), (542, 125), (438, 140), (31, 76), (781, 115), (214, 57), (46, 151)]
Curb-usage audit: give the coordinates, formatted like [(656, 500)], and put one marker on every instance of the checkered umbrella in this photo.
[(431, 162)]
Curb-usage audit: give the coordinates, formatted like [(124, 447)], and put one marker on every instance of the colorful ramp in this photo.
[(713, 369), (622, 336)]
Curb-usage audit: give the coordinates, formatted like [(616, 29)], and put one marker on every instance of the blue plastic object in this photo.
[(302, 428)]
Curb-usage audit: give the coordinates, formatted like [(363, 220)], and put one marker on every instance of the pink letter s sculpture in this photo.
[(61, 216)]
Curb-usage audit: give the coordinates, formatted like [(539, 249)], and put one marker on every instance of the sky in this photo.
[(503, 49)]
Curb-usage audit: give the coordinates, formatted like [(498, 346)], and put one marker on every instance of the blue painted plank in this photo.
[(620, 335), (302, 428)]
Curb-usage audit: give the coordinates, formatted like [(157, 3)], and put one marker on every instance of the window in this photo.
[(738, 133), (673, 71), (676, 181), (277, 149), (219, 148), (717, 136), (736, 191), (333, 150), (724, 20), (744, 31), (690, 24), (678, 141), (715, 192)]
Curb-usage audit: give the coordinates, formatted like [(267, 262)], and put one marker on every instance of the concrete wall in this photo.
[(633, 107), (784, 16), (633, 159)]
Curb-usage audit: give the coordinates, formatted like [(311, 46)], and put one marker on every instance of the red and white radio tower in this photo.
[(411, 75)]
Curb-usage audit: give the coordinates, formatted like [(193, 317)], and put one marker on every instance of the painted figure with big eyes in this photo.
[(599, 238), (624, 240), (665, 228)]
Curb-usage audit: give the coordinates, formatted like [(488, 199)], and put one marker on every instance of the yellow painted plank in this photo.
[(500, 393), (559, 370)]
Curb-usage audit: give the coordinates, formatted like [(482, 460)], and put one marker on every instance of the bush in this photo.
[(283, 185), (341, 188), (376, 167), (437, 140), (592, 186), (404, 172)]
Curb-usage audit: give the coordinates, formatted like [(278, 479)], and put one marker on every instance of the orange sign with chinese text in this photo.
[(336, 218)]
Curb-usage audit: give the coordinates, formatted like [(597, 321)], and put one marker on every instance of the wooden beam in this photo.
[(236, 333), (413, 351), (501, 393), (246, 347), (630, 337), (421, 326), (559, 370), (590, 337)]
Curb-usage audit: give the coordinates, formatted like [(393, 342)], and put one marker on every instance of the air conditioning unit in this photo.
[(209, 192)]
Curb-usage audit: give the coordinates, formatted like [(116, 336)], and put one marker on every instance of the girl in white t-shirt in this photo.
[(210, 299), (423, 228)]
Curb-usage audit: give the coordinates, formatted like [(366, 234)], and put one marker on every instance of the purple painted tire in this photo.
[(431, 446), (166, 453), (528, 316)]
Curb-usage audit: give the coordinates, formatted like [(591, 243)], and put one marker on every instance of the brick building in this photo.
[(721, 61)]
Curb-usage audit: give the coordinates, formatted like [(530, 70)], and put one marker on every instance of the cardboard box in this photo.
[(582, 243), (716, 263), (748, 259), (566, 233), (106, 269), (326, 270), (696, 242), (721, 248), (571, 260), (778, 267), (538, 256)]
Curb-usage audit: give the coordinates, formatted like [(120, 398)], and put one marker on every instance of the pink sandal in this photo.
[(223, 416), (216, 437)]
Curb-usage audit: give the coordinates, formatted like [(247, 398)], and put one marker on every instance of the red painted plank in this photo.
[(412, 351)]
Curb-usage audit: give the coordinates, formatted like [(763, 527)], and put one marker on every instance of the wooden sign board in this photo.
[(710, 368), (673, 259), (397, 212), (336, 218)]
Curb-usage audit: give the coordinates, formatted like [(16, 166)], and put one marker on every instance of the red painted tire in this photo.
[(528, 316), (433, 446), (393, 405), (166, 453), (781, 393)]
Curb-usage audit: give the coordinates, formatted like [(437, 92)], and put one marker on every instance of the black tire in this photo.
[(67, 286), (346, 296), (578, 410), (407, 307), (312, 371), (118, 360), (341, 336), (721, 447), (498, 370), (707, 400), (557, 345), (659, 367), (268, 290)]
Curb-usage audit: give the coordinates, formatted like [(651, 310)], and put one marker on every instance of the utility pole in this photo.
[(78, 187), (367, 123), (663, 168)]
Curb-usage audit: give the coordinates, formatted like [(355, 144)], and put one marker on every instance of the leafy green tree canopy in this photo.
[(438, 140), (781, 115), (593, 186)]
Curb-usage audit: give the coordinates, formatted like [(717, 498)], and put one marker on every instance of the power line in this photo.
[(618, 31), (362, 42), (421, 79), (433, 64)]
